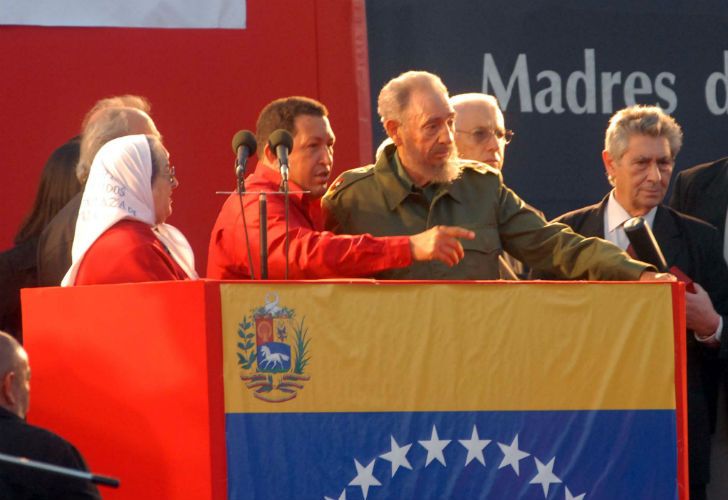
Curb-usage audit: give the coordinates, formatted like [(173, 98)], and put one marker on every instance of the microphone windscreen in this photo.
[(280, 137), (644, 243), (244, 138)]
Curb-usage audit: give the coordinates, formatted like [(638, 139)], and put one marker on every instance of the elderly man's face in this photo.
[(478, 124), (313, 153), (642, 175), (425, 138)]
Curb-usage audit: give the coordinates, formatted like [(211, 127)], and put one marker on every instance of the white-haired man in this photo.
[(640, 147), (481, 135), (480, 131), (419, 182)]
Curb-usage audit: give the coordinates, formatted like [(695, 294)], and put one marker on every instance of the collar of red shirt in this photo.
[(311, 206)]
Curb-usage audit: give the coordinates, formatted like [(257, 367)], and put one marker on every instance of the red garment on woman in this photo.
[(127, 252), (313, 253)]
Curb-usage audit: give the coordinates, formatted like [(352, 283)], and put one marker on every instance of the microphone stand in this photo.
[(284, 185), (63, 471), (263, 217), (240, 172)]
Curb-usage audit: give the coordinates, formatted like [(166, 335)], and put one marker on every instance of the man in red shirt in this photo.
[(313, 253)]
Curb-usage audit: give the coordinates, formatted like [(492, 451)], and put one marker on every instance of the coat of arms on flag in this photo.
[(273, 351)]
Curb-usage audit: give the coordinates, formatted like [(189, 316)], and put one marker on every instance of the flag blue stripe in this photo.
[(605, 454)]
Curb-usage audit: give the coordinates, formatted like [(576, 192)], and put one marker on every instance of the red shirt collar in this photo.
[(311, 205)]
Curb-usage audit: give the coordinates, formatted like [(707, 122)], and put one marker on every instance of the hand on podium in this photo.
[(652, 276), (440, 243), (700, 315)]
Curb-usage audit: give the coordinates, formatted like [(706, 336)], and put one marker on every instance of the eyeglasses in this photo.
[(171, 175), (480, 135)]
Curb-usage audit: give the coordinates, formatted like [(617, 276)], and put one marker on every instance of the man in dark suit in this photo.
[(19, 439), (702, 191), (640, 149)]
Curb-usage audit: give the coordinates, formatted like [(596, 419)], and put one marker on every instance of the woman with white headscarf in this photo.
[(120, 235)]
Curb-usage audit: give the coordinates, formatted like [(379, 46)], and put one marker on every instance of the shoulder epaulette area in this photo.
[(346, 179), (481, 168)]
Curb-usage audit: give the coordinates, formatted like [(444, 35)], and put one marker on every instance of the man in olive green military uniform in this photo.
[(419, 183)]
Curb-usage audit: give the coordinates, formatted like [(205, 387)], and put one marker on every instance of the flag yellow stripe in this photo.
[(467, 347)]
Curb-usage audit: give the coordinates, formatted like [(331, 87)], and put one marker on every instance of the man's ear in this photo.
[(270, 157), (392, 128), (6, 388), (608, 161)]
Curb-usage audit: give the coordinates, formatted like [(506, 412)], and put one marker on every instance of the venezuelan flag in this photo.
[(460, 390)]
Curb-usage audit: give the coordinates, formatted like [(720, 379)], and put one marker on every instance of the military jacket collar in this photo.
[(396, 188)]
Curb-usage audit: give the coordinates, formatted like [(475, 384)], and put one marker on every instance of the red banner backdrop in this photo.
[(204, 85)]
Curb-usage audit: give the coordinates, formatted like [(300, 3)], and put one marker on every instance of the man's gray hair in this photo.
[(119, 101), (395, 95), (641, 120), (105, 125)]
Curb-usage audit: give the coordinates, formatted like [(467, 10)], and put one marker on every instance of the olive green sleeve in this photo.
[(557, 250)]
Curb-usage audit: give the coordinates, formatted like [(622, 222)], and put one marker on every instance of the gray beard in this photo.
[(449, 171)]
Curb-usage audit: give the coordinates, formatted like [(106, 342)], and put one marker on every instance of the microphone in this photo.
[(244, 145), (281, 142), (647, 249), (644, 243)]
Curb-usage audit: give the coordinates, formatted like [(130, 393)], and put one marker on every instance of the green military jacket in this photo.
[(376, 200)]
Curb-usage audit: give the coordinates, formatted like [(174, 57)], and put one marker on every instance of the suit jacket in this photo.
[(702, 191), (693, 246), (17, 438)]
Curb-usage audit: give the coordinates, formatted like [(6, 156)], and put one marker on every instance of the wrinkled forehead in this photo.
[(647, 146), (478, 113), (427, 103)]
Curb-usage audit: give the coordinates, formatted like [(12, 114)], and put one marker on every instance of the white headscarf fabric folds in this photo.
[(119, 187)]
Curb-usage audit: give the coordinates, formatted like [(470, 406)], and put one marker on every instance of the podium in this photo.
[(366, 389)]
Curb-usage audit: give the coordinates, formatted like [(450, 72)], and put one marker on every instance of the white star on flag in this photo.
[(512, 455), (397, 455), (545, 475), (475, 447), (341, 497), (569, 496), (364, 477), (434, 447)]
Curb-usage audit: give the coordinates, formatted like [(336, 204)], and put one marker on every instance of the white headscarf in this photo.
[(119, 187)]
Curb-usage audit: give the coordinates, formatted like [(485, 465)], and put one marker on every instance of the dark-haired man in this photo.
[(312, 253)]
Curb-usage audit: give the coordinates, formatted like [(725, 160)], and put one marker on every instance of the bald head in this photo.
[(478, 122), (107, 124), (14, 376)]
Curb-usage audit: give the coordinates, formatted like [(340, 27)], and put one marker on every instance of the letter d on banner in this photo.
[(711, 89)]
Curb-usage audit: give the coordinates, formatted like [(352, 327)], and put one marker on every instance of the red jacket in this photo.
[(313, 254), (127, 252)]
